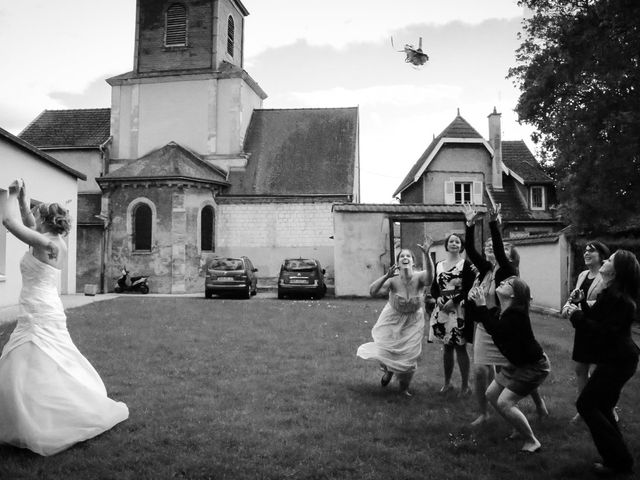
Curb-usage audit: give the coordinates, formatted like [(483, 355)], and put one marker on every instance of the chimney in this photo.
[(495, 140)]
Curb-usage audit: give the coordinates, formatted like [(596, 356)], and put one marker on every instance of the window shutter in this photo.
[(449, 193), (231, 32), (477, 193), (175, 34)]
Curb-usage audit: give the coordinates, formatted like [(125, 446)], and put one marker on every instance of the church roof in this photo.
[(299, 151), (169, 162), (85, 128), (458, 129)]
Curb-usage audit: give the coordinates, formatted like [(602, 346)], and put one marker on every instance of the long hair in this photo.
[(521, 294), (54, 217), (627, 278)]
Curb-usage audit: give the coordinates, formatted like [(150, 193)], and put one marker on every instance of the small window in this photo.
[(142, 218), (462, 192), (231, 31), (206, 229), (175, 30), (537, 198)]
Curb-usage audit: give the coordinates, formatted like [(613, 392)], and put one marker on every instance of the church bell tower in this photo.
[(187, 84)]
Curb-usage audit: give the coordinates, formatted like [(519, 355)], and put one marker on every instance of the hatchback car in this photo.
[(301, 276), (230, 275)]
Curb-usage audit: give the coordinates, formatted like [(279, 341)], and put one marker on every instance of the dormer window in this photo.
[(231, 31), (537, 198), (175, 28)]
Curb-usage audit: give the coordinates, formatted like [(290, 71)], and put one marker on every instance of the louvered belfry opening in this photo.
[(175, 32), (230, 34)]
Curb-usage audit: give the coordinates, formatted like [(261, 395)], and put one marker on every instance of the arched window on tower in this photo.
[(175, 26), (207, 231), (231, 31), (142, 218)]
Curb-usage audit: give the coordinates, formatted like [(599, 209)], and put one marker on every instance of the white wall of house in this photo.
[(45, 183), (544, 265), (87, 161), (269, 232), (361, 251)]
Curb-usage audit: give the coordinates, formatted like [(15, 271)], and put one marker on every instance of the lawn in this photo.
[(271, 389)]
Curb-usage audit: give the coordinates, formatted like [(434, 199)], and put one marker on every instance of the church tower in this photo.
[(187, 84)]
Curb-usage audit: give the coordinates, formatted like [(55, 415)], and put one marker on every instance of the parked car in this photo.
[(230, 275), (301, 276)]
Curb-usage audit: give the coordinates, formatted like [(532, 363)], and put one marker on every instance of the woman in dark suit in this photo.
[(608, 322)]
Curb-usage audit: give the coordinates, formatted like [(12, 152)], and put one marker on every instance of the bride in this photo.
[(50, 395)]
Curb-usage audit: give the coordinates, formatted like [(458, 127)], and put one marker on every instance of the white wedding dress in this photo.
[(50, 395)]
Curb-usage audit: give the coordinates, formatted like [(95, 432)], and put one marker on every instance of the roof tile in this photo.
[(87, 128), (299, 151)]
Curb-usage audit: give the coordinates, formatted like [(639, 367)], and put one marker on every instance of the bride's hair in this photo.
[(55, 218)]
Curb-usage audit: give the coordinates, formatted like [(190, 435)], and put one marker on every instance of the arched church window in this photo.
[(231, 31), (207, 232), (175, 29), (142, 218)]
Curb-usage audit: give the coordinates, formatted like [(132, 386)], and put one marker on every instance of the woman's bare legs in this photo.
[(483, 376), (541, 406), (505, 402)]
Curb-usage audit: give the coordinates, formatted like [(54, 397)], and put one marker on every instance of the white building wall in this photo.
[(45, 183), (268, 233)]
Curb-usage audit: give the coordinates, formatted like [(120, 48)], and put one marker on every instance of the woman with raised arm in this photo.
[(608, 323), (500, 261), (527, 367), (590, 283), (453, 278), (398, 333), (50, 395)]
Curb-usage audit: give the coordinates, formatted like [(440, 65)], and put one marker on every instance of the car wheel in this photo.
[(208, 294), (117, 290), (247, 294), (280, 295), (144, 289)]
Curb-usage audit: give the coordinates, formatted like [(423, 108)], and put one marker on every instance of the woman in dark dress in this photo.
[(590, 282), (510, 329), (500, 261), (608, 322)]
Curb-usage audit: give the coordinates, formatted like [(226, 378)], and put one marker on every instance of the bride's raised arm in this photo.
[(14, 221)]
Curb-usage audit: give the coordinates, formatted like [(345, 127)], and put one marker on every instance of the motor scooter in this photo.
[(131, 284)]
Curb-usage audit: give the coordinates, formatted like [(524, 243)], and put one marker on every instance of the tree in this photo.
[(578, 70)]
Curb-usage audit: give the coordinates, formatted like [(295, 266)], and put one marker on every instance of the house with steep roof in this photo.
[(191, 166), (461, 166), (47, 180)]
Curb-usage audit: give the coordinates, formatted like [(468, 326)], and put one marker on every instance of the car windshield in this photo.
[(228, 264), (299, 265)]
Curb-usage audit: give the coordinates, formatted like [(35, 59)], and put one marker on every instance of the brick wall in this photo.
[(269, 232)]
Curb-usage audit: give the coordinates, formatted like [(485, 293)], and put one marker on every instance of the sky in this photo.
[(334, 53)]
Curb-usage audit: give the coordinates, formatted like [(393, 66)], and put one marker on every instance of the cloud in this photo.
[(339, 24), (393, 96)]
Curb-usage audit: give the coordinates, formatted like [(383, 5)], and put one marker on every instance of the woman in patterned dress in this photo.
[(452, 281)]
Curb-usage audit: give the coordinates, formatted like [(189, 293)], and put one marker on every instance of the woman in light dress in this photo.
[(50, 395), (398, 333)]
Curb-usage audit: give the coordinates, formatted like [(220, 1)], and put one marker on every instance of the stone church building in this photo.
[(186, 164)]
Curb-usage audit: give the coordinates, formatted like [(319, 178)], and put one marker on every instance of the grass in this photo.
[(271, 389)]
